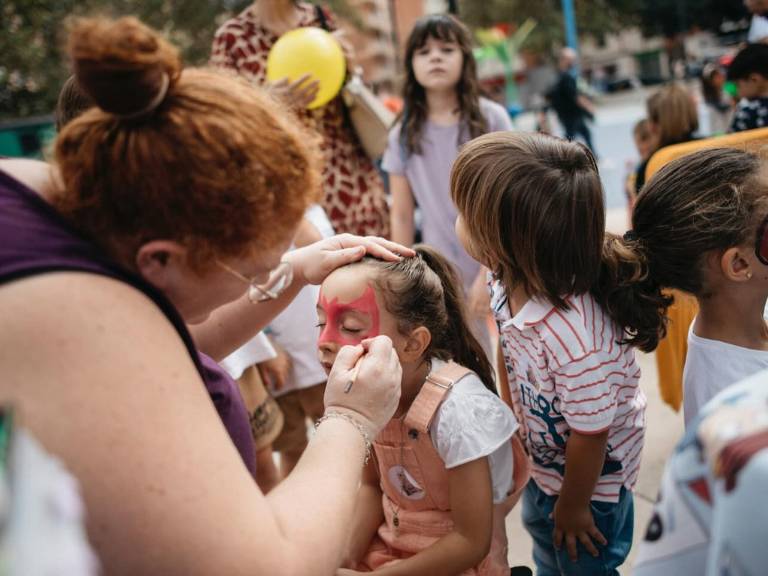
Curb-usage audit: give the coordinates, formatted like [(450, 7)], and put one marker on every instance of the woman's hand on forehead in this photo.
[(314, 262)]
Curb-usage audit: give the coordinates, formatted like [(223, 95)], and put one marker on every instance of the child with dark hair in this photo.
[(749, 70), (570, 304), (442, 110), (702, 225), (448, 466)]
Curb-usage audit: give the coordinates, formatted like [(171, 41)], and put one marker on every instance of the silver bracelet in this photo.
[(356, 424)]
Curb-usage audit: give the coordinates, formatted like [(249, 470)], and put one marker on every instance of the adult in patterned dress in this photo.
[(354, 196)]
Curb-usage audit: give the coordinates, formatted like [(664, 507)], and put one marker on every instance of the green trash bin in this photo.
[(26, 138)]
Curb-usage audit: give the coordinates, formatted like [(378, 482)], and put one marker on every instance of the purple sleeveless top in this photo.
[(35, 239)]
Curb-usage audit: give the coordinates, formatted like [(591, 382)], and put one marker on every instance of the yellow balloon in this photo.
[(309, 51)]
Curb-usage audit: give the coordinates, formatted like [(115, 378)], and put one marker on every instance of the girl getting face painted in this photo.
[(418, 303)]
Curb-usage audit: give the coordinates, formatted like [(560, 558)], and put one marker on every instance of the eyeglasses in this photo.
[(761, 244), (279, 279)]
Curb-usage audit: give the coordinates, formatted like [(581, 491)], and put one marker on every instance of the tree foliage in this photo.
[(599, 17), (32, 65)]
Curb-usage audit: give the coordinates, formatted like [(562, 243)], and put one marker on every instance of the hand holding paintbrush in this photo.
[(365, 383)]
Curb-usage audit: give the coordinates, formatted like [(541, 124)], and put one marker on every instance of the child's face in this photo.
[(349, 310), (753, 86), (437, 64)]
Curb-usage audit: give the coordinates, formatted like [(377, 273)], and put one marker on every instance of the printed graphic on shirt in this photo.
[(567, 371), (751, 114), (404, 483)]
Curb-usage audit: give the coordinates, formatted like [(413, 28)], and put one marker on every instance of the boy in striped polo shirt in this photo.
[(570, 304)]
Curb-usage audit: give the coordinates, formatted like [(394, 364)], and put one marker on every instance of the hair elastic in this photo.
[(154, 103), (630, 236)]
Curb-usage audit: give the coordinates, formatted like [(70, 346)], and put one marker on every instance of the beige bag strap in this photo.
[(431, 395)]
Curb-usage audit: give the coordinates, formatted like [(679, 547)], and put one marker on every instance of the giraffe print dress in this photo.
[(353, 193)]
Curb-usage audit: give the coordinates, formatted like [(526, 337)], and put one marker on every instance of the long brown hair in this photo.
[(216, 164), (533, 207), (448, 29), (708, 201), (426, 291)]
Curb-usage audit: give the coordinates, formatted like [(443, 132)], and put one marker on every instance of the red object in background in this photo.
[(393, 103), (725, 60), (504, 28)]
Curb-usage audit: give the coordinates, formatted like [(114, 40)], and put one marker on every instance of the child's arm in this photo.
[(502, 382), (368, 515), (584, 457), (401, 215), (468, 544), (306, 234)]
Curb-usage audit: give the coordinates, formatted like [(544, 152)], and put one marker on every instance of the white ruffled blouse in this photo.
[(472, 423)]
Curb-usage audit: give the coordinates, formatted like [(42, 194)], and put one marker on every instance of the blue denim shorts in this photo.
[(615, 522)]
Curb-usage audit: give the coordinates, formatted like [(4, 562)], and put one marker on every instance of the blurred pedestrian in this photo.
[(672, 119), (572, 108)]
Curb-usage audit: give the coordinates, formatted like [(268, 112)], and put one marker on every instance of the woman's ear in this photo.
[(159, 262), (735, 264), (416, 343)]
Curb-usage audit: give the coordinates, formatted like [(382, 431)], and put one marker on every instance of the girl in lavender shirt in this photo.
[(443, 110)]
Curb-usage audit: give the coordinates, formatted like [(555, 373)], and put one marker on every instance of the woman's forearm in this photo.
[(231, 326), (368, 517), (315, 509)]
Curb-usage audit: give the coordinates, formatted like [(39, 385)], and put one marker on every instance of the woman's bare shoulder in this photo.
[(34, 174), (103, 380)]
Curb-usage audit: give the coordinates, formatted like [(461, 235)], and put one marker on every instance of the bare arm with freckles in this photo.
[(114, 399), (233, 325)]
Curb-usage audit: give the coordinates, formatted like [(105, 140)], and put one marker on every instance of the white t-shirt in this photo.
[(758, 29), (472, 422), (712, 366), (257, 349)]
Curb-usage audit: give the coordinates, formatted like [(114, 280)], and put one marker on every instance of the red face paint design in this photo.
[(334, 318)]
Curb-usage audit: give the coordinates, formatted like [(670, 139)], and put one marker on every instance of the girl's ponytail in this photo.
[(629, 293), (457, 339), (425, 291)]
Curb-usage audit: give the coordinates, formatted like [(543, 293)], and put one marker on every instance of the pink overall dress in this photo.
[(414, 482)]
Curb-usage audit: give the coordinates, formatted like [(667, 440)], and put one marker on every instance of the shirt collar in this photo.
[(532, 312)]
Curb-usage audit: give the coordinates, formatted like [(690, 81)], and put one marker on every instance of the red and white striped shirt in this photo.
[(567, 371)]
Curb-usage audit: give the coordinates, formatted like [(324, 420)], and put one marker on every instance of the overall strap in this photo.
[(431, 395)]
